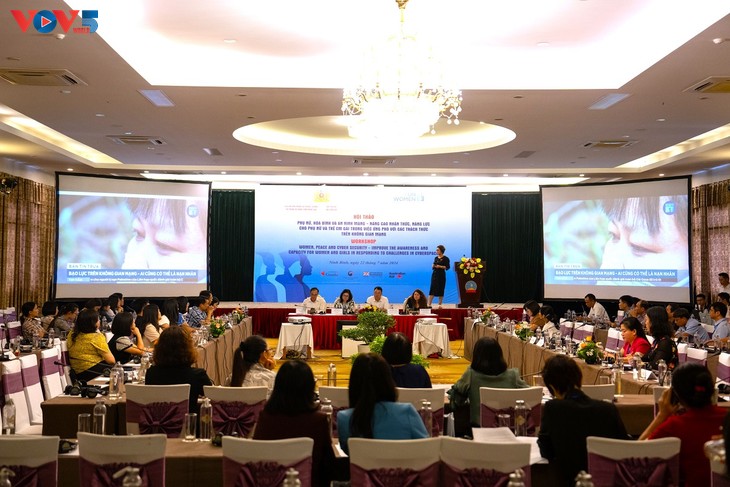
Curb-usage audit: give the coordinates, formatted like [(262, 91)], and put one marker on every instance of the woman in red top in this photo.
[(634, 337), (692, 389)]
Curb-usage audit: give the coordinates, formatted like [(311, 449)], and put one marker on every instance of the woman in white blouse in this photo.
[(253, 364), (549, 329)]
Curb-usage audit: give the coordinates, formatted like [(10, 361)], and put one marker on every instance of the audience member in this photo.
[(292, 412), (66, 318), (150, 325), (374, 412), (116, 303), (31, 324), (692, 390), (315, 304), (49, 312), (639, 311), (724, 281), (550, 328), (532, 310), (632, 332), (701, 303), (625, 304), (688, 325), (346, 302), (200, 312), (93, 303), (597, 313), (717, 312), (663, 347), (253, 364), (570, 417), (398, 352), (671, 308), (182, 307), (106, 311), (121, 344), (415, 302), (174, 358), (170, 313), (88, 351), (723, 297), (377, 300)]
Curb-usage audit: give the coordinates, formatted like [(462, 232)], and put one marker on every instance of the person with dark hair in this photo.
[(663, 347), (49, 312), (724, 298), (398, 352), (315, 304), (415, 302), (687, 325), (639, 310), (597, 313), (182, 307), (701, 303), (207, 295), (93, 303), (170, 313), (346, 301), (87, 348), (174, 358), (550, 328), (253, 364), (532, 310), (570, 417), (137, 306), (377, 300), (692, 390), (671, 308), (634, 337), (724, 280), (440, 265), (150, 325), (105, 311), (200, 312), (374, 412), (121, 344), (66, 318), (488, 369), (718, 311), (116, 303), (31, 324), (292, 412)]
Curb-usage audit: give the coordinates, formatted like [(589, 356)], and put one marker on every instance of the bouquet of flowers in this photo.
[(523, 331), (590, 351), (368, 308), (217, 327), (471, 265), (487, 315)]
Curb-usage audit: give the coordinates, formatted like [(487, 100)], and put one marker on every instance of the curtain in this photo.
[(507, 233), (231, 245), (710, 235), (27, 243)]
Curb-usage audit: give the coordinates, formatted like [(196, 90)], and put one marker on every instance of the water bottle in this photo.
[(292, 479), (104, 323), (5, 474), (662, 366), (325, 405), (99, 417), (51, 337), (144, 364), (668, 379), (332, 375), (427, 416), (517, 478), (617, 372), (131, 477), (9, 417), (206, 420), (116, 381), (583, 479), (245, 311), (520, 418), (36, 340)]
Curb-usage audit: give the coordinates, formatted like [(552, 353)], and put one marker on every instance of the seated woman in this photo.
[(691, 391), (532, 310), (87, 349), (174, 358), (66, 318), (170, 313), (150, 325), (663, 348), (488, 369), (570, 417), (121, 344), (415, 302), (31, 324), (632, 333), (550, 328), (253, 364), (398, 352), (374, 412), (291, 412), (346, 302)]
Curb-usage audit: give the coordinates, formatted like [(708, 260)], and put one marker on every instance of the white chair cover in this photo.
[(12, 384), (723, 368), (614, 335), (101, 456), (435, 396), (682, 353), (236, 408), (415, 462), (582, 331), (458, 455), (601, 392), (494, 400), (66, 361), (52, 385), (340, 400), (628, 463), (697, 356), (32, 387), (710, 329), (33, 459), (14, 329), (150, 395), (249, 463)]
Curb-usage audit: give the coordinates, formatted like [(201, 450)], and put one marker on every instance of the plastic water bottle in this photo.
[(9, 417), (144, 364), (662, 366), (116, 380), (51, 337), (36, 340), (206, 420), (292, 479), (245, 311), (520, 418), (104, 323), (427, 416), (99, 417), (517, 478), (325, 405), (583, 479), (131, 477), (332, 375), (5, 474), (617, 372)]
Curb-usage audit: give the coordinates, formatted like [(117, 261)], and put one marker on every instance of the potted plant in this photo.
[(590, 351), (371, 323)]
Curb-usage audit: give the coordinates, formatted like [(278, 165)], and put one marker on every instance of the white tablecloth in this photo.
[(431, 338), (295, 337)]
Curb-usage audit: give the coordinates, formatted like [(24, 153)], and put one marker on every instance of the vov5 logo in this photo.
[(46, 21)]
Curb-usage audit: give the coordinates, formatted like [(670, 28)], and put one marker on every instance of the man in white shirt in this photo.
[(724, 282), (597, 313), (717, 313), (377, 300), (315, 304)]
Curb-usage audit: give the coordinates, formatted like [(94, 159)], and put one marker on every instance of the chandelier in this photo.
[(401, 94)]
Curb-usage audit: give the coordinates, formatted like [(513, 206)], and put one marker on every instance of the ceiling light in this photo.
[(433, 174), (366, 174), (223, 172), (543, 44), (608, 101), (299, 174), (505, 175), (661, 175), (401, 94), (718, 40), (661, 119), (229, 41), (100, 115), (581, 175), (157, 97), (70, 169)]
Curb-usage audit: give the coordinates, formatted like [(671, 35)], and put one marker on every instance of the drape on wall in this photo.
[(507, 233), (710, 235), (231, 245), (27, 243)]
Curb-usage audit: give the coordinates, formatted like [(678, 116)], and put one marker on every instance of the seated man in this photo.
[(717, 313), (200, 312), (377, 300), (639, 310), (597, 313), (315, 304), (724, 298), (686, 324)]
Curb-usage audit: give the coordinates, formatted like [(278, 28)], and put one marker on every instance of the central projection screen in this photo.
[(617, 239), (356, 237)]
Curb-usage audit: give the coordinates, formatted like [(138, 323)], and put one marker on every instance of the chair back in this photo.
[(717, 464), (340, 400), (497, 401), (12, 384), (263, 463), (10, 314), (614, 335), (100, 457), (629, 463), (50, 375), (465, 462), (66, 361), (33, 459), (697, 356), (14, 329), (32, 387), (394, 462), (156, 409), (723, 368), (435, 396), (582, 331), (566, 328), (236, 409), (682, 352), (600, 392)]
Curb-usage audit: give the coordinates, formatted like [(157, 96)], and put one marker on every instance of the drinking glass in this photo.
[(537, 381), (504, 420), (84, 423), (190, 427), (604, 379)]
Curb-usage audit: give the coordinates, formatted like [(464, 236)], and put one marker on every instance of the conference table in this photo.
[(430, 338)]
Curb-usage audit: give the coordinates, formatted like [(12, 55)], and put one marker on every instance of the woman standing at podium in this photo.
[(440, 265)]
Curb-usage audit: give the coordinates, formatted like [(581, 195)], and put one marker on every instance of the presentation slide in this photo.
[(356, 237), (616, 239), (138, 237)]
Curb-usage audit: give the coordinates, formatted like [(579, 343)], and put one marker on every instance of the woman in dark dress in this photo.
[(398, 352), (663, 348), (441, 264)]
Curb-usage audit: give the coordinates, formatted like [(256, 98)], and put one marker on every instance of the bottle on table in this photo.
[(144, 364), (325, 405), (517, 478), (98, 419), (427, 416), (116, 381), (520, 418), (617, 372), (332, 375), (206, 420), (583, 479), (662, 371), (131, 477), (5, 474), (292, 479), (9, 417)]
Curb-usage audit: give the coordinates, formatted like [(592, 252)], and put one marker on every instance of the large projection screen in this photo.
[(356, 237), (616, 239), (134, 236)]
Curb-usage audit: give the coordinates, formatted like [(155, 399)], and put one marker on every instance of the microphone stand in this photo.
[(4, 357)]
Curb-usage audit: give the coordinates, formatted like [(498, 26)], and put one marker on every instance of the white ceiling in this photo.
[(291, 59)]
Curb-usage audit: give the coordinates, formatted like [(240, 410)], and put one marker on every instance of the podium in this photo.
[(470, 288)]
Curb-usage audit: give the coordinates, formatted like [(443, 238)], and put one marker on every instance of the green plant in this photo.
[(370, 325), (217, 327), (590, 351), (523, 331)]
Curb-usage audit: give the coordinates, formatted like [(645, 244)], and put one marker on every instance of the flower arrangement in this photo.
[(471, 265), (590, 351), (371, 323), (217, 327), (523, 331), (487, 315)]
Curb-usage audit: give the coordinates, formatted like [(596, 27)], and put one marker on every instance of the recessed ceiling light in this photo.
[(100, 115), (229, 41), (157, 97), (581, 175), (661, 175), (543, 44), (65, 92), (299, 174), (661, 119), (277, 160), (274, 151), (718, 40), (223, 172), (146, 172), (127, 133), (505, 175), (366, 174), (70, 169), (456, 162), (433, 174)]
